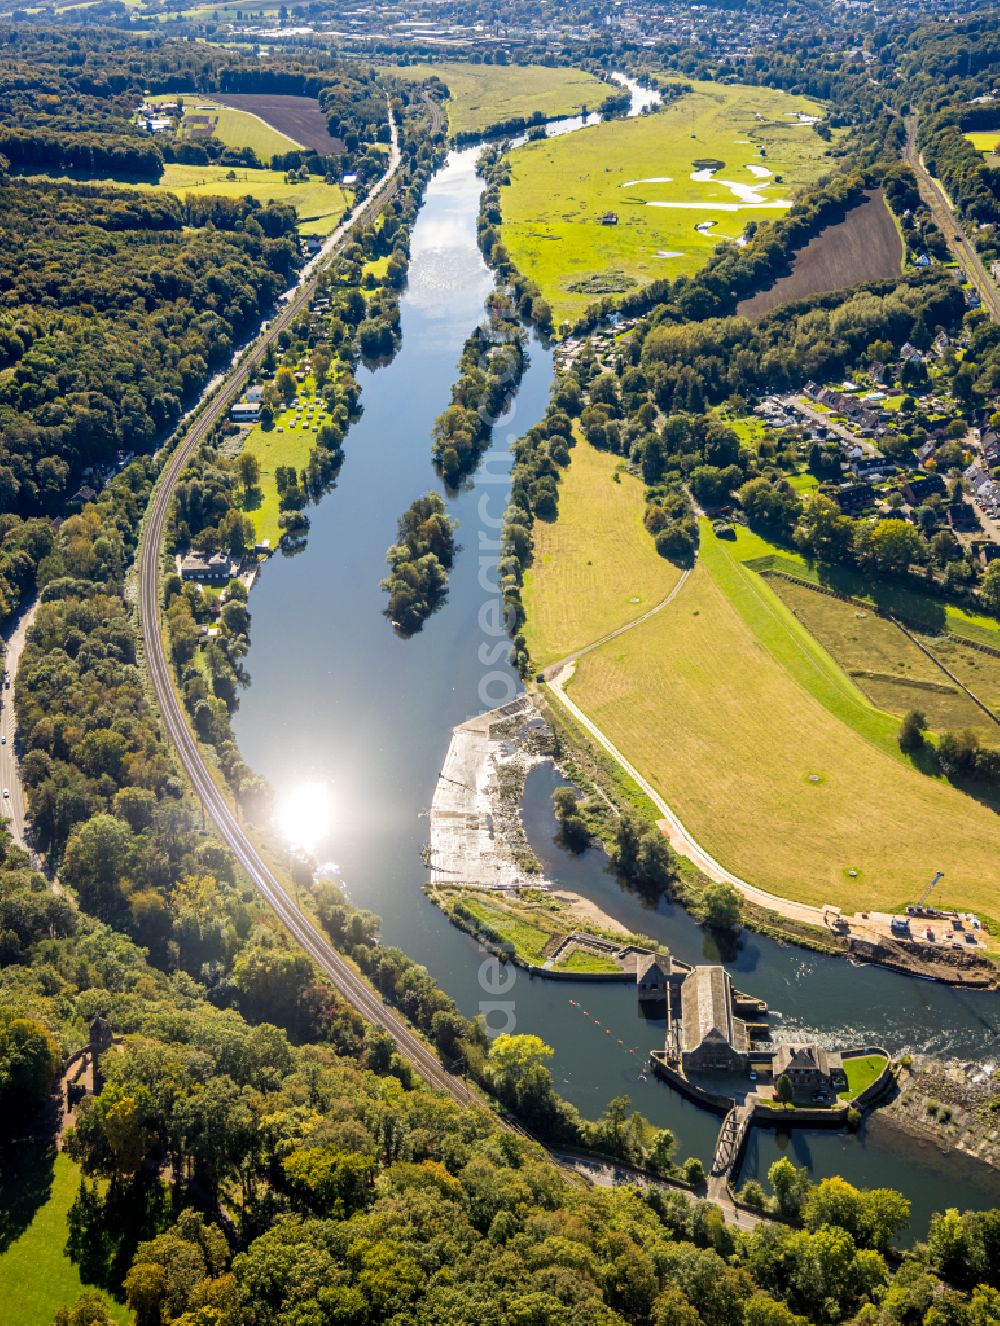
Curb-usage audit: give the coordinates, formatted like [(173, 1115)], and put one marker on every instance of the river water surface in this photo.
[(343, 713)]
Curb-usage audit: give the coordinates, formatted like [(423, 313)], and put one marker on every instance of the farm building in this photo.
[(712, 1037), (811, 1070)]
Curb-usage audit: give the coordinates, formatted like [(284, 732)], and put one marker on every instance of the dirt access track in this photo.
[(863, 246), (298, 117)]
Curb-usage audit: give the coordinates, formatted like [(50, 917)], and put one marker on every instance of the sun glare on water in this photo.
[(306, 816)]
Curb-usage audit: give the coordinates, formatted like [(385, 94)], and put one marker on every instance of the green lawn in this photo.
[(595, 567), (772, 757), (36, 1276), (585, 962), (235, 128), (861, 1073), (318, 205), (641, 170), (272, 448), (482, 95)]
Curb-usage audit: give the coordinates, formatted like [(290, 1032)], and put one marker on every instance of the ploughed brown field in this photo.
[(298, 117), (864, 246)]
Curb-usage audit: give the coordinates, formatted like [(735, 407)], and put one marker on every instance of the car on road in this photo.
[(3, 741), (6, 794)]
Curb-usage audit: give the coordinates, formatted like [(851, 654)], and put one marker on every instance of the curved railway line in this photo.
[(344, 977)]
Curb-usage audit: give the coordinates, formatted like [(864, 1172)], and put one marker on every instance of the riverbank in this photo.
[(953, 1104)]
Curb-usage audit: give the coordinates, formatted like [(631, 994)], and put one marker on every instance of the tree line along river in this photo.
[(339, 703)]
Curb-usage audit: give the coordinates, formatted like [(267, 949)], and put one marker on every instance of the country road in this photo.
[(941, 210), (340, 972), (13, 809)]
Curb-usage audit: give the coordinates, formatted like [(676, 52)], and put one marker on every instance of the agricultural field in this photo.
[(484, 95), (35, 1196), (886, 665), (297, 118), (318, 205), (284, 444), (595, 567), (204, 116), (864, 246), (771, 756), (678, 181)]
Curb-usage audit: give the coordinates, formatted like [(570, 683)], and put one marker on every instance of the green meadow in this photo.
[(483, 95), (641, 170), (287, 443), (318, 205)]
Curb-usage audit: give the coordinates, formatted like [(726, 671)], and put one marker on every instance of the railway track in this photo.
[(958, 241), (342, 975)]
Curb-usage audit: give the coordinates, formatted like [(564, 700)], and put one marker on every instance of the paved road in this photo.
[(343, 976), (14, 807), (797, 404), (949, 225), (554, 669), (613, 1174)]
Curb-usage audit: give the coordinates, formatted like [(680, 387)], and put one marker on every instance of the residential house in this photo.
[(853, 498), (211, 569), (811, 1070), (962, 516), (918, 487), (245, 412)]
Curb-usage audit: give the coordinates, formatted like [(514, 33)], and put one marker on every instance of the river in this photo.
[(350, 726)]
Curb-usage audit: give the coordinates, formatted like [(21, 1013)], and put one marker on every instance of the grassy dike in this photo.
[(771, 756)]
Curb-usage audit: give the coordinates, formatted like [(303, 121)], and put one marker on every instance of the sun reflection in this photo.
[(306, 816)]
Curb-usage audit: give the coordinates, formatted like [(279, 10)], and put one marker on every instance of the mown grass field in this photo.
[(289, 447), (318, 205), (36, 1276), (732, 710), (483, 95), (985, 140), (235, 128), (885, 664), (595, 567), (562, 186)]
